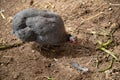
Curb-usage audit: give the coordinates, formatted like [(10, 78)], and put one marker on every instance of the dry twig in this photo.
[(1, 13), (4, 47)]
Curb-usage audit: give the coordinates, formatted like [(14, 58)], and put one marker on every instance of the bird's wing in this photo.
[(20, 18), (41, 25)]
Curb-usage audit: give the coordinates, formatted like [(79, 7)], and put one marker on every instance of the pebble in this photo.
[(16, 75), (110, 9), (79, 67), (33, 51)]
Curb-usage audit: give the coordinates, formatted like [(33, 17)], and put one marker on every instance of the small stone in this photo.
[(16, 75), (79, 67), (33, 51), (55, 59), (109, 22), (1, 64), (110, 9)]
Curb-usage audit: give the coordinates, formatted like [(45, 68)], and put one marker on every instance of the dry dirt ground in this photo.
[(81, 18)]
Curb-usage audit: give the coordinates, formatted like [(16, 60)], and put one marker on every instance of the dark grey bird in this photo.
[(41, 26)]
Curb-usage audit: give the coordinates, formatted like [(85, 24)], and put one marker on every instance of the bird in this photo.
[(42, 26)]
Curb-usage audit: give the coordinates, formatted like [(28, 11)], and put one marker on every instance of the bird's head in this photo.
[(72, 39)]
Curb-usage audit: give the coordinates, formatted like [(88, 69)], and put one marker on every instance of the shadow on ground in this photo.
[(67, 50)]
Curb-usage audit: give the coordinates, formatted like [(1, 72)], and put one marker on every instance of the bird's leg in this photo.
[(45, 47), (40, 48), (49, 48)]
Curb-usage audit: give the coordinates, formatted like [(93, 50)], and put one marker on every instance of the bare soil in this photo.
[(81, 17)]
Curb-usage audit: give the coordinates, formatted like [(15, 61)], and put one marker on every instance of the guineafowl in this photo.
[(41, 26)]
